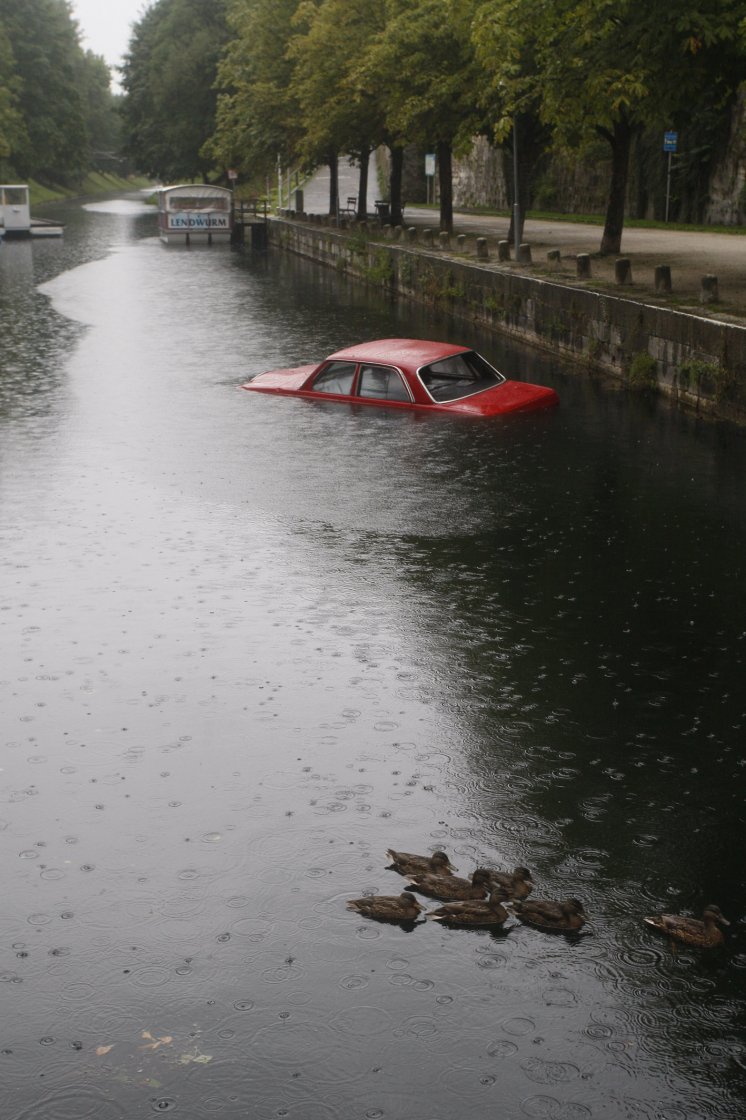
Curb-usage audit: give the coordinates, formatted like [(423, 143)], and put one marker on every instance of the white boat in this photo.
[(15, 215), (195, 213)]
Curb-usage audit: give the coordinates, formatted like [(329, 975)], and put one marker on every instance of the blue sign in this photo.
[(670, 140)]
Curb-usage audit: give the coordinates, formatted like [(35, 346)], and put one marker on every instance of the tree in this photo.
[(43, 39), (169, 76), (257, 119), (604, 67), (422, 66), (338, 114), (12, 127)]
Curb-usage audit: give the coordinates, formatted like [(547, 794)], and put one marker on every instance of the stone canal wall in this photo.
[(698, 361)]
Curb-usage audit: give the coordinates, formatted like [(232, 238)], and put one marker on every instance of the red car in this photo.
[(408, 373)]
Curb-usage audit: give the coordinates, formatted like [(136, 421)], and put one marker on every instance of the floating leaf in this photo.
[(101, 1050), (198, 1059), (156, 1043)]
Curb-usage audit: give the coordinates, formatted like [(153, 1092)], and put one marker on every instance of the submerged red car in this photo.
[(408, 373)]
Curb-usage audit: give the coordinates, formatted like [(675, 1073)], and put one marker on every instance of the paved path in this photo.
[(316, 189), (690, 255)]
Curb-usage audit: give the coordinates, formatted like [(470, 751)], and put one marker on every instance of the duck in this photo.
[(450, 887), (514, 884), (407, 863), (487, 912), (551, 916), (388, 908), (701, 935)]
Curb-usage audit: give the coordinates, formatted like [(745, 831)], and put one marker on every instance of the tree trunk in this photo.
[(395, 199), (445, 183), (333, 185), (362, 186), (620, 139)]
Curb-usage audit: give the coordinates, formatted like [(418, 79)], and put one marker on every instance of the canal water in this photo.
[(249, 643)]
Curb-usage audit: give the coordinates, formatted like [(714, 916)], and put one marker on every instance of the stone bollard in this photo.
[(709, 292), (427, 237), (503, 250), (482, 250), (583, 263), (524, 253), (623, 270), (663, 278), (444, 239), (412, 234), (461, 243), (386, 231), (553, 257), (398, 233)]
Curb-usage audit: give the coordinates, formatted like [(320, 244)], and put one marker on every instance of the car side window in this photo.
[(337, 377), (382, 383)]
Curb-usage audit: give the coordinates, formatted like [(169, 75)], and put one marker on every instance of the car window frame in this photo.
[(327, 365), (410, 398)]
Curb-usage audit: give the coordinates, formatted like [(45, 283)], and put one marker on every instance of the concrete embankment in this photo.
[(699, 362)]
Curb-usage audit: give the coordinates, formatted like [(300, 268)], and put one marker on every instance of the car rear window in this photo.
[(459, 375)]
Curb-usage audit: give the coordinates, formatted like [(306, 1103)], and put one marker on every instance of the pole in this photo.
[(279, 184), (516, 205), (668, 184)]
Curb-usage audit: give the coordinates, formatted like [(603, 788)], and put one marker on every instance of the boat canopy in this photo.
[(194, 196)]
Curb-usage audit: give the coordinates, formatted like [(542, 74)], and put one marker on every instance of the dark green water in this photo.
[(248, 644)]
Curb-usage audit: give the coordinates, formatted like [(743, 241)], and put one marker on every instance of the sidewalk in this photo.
[(689, 255)]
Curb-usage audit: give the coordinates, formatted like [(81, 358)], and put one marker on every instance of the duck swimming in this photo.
[(407, 863), (450, 887), (550, 916), (689, 931), (488, 912), (388, 908), (513, 884)]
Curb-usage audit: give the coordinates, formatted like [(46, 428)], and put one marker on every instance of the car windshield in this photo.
[(459, 375)]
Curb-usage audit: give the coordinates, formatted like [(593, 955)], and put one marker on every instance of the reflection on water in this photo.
[(248, 644)]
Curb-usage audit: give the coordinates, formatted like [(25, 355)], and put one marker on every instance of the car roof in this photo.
[(399, 351)]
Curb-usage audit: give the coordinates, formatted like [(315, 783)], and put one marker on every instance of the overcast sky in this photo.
[(105, 26)]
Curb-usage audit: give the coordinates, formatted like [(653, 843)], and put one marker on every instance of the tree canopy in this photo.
[(607, 68), (56, 106), (168, 77)]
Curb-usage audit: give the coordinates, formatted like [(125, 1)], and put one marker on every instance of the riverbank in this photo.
[(698, 360), (96, 183)]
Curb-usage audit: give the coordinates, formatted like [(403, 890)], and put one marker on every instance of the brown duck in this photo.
[(550, 916), (513, 884), (701, 935), (450, 887), (388, 908), (472, 914), (406, 863)]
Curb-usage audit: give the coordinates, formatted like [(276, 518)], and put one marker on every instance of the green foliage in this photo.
[(642, 376), (257, 118), (608, 68), (710, 378), (40, 64), (169, 75)]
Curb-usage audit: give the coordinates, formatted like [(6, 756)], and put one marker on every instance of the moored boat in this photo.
[(15, 215), (195, 213)]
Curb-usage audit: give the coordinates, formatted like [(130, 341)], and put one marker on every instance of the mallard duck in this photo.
[(406, 863), (551, 916), (513, 884), (450, 887), (388, 908), (703, 935), (488, 912)]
